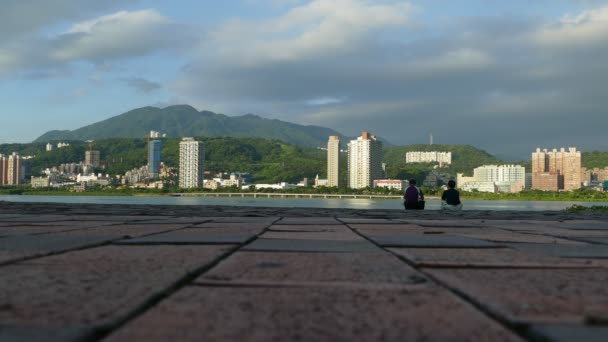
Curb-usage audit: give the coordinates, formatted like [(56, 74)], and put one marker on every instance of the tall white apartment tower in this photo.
[(191, 163), (333, 161), (364, 161)]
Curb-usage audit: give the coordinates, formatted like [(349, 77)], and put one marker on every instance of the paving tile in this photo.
[(570, 333), (346, 235), (311, 314), (54, 228), (137, 230), (429, 240), (232, 225), (356, 220), (486, 257), (533, 295), (583, 224), (309, 228), (300, 245), (244, 219), (194, 236), (301, 268), (10, 333), (94, 286), (503, 236), (168, 219), (569, 233), (393, 226), (599, 240), (564, 251), (442, 223), (14, 248), (307, 220)]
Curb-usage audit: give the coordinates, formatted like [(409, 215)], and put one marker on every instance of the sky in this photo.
[(503, 76)]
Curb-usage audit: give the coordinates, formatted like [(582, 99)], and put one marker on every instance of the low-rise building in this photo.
[(40, 182), (396, 184)]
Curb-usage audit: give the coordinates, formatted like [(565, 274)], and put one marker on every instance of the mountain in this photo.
[(184, 120)]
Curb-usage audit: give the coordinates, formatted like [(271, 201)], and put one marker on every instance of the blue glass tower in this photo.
[(154, 158)]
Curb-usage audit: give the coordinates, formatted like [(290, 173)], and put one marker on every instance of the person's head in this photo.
[(412, 182), (451, 184)]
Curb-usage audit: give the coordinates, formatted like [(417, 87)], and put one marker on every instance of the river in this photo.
[(296, 202)]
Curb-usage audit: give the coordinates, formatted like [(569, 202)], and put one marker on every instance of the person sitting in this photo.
[(450, 199), (413, 196)]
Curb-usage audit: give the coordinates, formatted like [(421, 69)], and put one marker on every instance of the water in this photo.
[(295, 202)]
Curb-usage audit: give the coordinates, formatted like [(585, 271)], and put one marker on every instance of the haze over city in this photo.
[(504, 76)]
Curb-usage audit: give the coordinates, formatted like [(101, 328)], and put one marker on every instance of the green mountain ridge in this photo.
[(184, 120)]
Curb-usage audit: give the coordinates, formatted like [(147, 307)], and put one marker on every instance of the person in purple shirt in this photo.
[(413, 197), (450, 199)]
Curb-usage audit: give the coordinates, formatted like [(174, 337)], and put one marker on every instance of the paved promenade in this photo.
[(190, 273)]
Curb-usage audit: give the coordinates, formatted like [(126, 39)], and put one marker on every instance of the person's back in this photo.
[(450, 199), (413, 197)]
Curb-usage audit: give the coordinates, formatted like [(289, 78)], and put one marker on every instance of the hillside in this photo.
[(183, 120), (268, 160), (464, 159)]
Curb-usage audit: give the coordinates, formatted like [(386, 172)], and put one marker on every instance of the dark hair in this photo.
[(451, 184), (412, 182)]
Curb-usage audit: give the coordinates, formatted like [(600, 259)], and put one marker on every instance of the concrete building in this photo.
[(508, 178), (40, 182), (396, 184), (12, 169), (49, 147), (364, 161), (92, 158), (191, 163), (595, 175), (429, 157), (333, 161), (494, 178), (320, 182), (479, 186), (154, 148), (556, 170)]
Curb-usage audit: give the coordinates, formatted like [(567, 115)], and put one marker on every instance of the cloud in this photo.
[(586, 29), (315, 29), (142, 85), (505, 83), (118, 36)]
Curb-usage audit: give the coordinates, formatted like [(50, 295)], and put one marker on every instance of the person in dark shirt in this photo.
[(450, 199), (413, 196)]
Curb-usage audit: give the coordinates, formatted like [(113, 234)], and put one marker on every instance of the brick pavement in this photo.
[(120, 273)]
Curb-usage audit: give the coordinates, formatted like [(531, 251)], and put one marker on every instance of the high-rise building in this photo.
[(507, 178), (556, 170), (333, 161), (154, 147), (364, 161), (92, 158), (12, 170), (191, 163)]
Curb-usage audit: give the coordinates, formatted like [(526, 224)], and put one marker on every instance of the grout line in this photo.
[(517, 328), (156, 298)]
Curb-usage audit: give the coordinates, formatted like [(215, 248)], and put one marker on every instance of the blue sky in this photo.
[(505, 76)]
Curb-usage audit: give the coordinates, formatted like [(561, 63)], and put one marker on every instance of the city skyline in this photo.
[(505, 76)]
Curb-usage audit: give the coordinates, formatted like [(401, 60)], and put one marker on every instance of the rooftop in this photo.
[(190, 273)]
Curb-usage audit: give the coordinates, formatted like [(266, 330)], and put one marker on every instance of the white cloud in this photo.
[(122, 34), (318, 28), (585, 29), (323, 101)]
